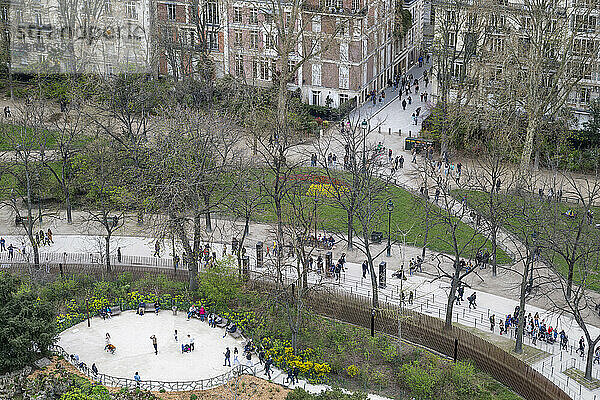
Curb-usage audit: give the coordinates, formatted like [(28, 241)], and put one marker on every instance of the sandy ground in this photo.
[(130, 333)]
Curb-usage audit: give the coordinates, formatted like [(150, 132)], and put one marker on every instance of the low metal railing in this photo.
[(152, 385)]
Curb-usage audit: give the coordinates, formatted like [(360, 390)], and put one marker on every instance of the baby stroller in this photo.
[(185, 348), (110, 348)]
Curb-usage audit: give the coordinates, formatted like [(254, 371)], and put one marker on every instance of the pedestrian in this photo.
[(404, 104), (10, 251), (410, 297), (472, 299), (7, 113), (94, 369), (157, 249), (227, 357), (581, 348), (461, 292), (154, 344), (492, 322), (175, 334), (236, 361), (137, 378), (50, 236), (2, 243), (249, 359), (191, 342), (365, 268), (118, 254), (268, 367), (409, 100)]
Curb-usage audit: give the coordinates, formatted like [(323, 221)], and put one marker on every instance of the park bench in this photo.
[(149, 308), (237, 334), (115, 310), (21, 220), (223, 323)]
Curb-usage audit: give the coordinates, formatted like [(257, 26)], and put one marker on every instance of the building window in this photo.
[(131, 10), (213, 40), (4, 14), (237, 15), (108, 6), (291, 69), (585, 95), (171, 12), (316, 97), (316, 23), (109, 69), (254, 39), (355, 5), (265, 65), (344, 77), (239, 65), (38, 19), (254, 68), (344, 52), (253, 16), (270, 41), (343, 98), (212, 13), (288, 18), (316, 75), (237, 38)]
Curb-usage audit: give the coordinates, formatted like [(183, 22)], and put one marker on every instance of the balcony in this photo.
[(334, 10)]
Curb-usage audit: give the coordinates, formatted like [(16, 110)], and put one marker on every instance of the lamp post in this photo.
[(390, 207), (315, 218)]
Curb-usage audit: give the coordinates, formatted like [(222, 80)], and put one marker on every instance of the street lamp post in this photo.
[(390, 207)]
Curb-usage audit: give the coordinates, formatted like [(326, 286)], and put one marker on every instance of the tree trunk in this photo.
[(570, 279), (68, 206), (350, 214), (519, 334), (374, 286), (494, 250), (452, 295), (528, 145), (107, 250), (589, 360)]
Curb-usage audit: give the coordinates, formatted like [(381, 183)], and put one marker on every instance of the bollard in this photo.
[(421, 308), (427, 303), (488, 313), (463, 312), (475, 322), (439, 313), (390, 131), (379, 128)]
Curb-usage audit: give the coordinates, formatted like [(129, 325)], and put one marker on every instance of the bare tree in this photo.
[(108, 197), (27, 141), (186, 171)]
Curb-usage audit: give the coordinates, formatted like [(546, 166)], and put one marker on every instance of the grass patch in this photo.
[(546, 226), (530, 354), (578, 376)]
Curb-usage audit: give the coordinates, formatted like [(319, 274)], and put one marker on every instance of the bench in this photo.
[(150, 308), (223, 323), (237, 334), (115, 310), (21, 220)]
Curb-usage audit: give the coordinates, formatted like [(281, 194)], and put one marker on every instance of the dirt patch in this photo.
[(245, 388)]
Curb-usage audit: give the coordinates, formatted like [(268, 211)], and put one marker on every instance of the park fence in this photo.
[(150, 385), (354, 308), (431, 333)]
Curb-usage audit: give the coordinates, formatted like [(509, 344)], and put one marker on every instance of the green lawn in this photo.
[(408, 215), (545, 223)]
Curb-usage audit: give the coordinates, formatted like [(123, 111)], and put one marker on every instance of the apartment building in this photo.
[(95, 36), (477, 44), (363, 56), (186, 31)]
